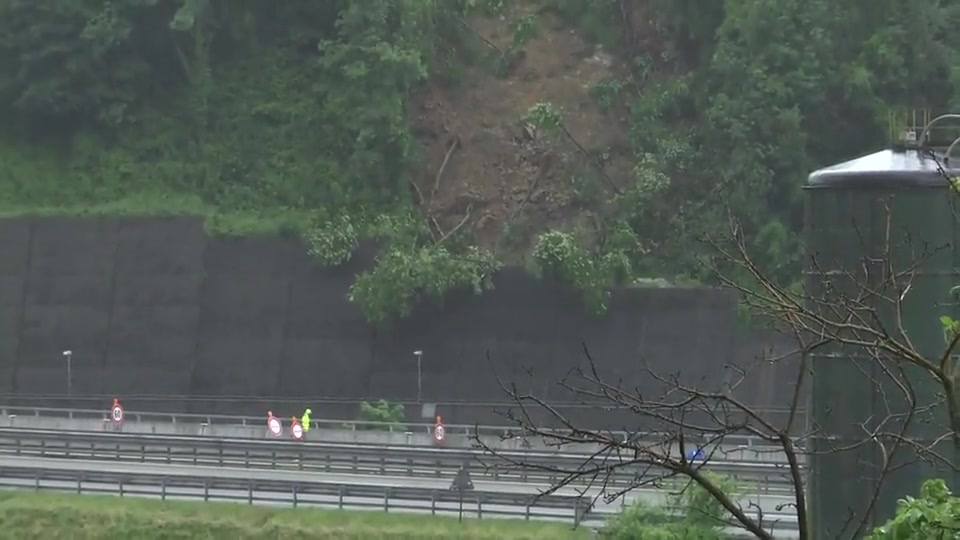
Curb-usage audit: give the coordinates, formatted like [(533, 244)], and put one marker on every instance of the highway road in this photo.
[(771, 505), (761, 479), (330, 430), (783, 489)]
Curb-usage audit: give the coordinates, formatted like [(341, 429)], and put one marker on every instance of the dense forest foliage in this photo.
[(294, 116)]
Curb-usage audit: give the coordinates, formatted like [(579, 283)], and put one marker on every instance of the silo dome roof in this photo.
[(886, 168)]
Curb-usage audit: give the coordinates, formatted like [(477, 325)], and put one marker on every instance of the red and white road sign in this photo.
[(116, 412), (274, 425), (296, 430), (438, 432)]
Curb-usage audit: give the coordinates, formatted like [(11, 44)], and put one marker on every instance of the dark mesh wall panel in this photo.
[(153, 306)]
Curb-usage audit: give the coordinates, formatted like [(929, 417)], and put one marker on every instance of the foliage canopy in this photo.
[(294, 116), (690, 513), (934, 514)]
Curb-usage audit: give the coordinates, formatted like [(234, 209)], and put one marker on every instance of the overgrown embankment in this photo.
[(596, 140)]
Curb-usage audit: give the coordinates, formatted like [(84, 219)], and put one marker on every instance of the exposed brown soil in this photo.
[(498, 161)]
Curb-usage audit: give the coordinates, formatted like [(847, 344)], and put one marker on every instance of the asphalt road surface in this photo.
[(773, 484)]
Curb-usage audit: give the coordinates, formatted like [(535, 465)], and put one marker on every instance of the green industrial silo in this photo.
[(895, 205)]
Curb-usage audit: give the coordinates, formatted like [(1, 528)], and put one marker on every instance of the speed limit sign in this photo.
[(116, 412), (297, 431), (274, 424)]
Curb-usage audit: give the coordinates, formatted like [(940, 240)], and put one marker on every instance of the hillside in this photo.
[(506, 170), (597, 140)]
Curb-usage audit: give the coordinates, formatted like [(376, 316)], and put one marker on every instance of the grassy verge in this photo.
[(49, 516)]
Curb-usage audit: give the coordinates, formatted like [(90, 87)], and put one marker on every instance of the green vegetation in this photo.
[(261, 118), (561, 256), (736, 102), (44, 516), (703, 515), (295, 118), (935, 514), (388, 416)]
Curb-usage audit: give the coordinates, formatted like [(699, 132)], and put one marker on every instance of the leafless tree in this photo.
[(860, 308)]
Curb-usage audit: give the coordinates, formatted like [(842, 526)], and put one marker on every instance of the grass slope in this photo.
[(48, 516)]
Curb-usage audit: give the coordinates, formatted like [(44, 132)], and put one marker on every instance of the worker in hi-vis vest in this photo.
[(305, 421)]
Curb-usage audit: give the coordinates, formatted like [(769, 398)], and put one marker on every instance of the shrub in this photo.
[(691, 514), (389, 416)]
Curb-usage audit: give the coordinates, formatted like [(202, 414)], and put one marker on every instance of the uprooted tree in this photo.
[(875, 344)]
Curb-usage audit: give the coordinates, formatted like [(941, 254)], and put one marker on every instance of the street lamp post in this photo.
[(69, 356), (419, 355)]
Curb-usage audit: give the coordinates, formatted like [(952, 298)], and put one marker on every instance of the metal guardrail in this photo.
[(184, 485), (351, 458), (353, 425), (255, 486), (298, 493), (201, 402), (226, 484)]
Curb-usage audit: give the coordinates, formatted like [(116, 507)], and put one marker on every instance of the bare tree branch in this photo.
[(853, 311)]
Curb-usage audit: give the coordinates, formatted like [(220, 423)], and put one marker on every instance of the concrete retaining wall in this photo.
[(153, 306)]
